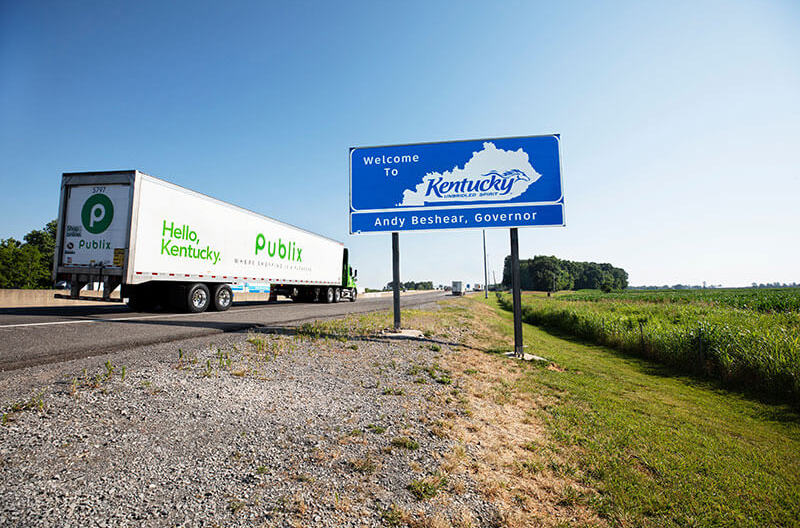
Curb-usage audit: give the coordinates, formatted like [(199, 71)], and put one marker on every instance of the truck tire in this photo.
[(337, 295), (353, 295), (198, 298), (221, 297), (328, 295)]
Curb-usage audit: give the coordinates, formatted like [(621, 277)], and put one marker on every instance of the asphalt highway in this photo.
[(37, 336)]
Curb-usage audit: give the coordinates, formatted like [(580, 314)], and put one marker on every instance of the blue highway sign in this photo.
[(476, 184)]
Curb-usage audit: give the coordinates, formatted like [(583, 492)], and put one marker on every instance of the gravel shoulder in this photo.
[(241, 429)]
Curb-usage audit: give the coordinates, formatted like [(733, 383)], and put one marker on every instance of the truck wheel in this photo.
[(328, 295), (353, 294), (337, 295), (198, 298), (221, 297)]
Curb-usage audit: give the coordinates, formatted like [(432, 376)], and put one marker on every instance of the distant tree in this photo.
[(44, 240), (620, 278), (410, 285), (28, 264), (548, 273)]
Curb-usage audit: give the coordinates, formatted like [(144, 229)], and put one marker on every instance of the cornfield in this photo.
[(724, 338)]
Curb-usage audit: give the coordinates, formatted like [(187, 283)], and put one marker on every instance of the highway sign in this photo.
[(474, 184)]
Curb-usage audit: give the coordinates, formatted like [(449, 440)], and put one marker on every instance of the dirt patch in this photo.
[(506, 447)]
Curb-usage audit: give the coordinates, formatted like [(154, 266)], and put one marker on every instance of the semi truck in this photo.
[(169, 246), (458, 288)]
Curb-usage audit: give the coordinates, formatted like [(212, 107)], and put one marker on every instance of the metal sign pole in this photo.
[(485, 270), (515, 289), (396, 278)]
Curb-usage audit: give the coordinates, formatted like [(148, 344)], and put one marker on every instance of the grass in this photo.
[(394, 515), (660, 448), (435, 372), (747, 349), (427, 487), (758, 300), (34, 403), (405, 442), (351, 326), (98, 380), (364, 465)]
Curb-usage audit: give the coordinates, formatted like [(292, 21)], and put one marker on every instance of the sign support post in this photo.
[(516, 293), (485, 270), (396, 278)]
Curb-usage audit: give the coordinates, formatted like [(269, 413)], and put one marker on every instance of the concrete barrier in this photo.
[(40, 298), (36, 298), (389, 294)]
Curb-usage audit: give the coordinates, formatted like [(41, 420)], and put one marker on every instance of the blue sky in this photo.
[(679, 122)]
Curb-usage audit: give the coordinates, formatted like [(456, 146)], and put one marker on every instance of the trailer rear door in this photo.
[(96, 225)]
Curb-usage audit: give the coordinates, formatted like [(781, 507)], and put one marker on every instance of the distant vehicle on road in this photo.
[(458, 288), (172, 247)]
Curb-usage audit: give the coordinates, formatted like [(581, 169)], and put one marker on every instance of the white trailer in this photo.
[(458, 288), (172, 247)]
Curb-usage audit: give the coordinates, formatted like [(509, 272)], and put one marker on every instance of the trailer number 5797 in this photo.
[(96, 190)]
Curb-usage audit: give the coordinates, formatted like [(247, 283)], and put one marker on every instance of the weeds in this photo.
[(258, 341), (234, 505), (96, 381), (224, 359), (342, 329), (427, 487), (209, 370), (405, 442), (35, 402), (362, 465), (435, 372), (394, 515)]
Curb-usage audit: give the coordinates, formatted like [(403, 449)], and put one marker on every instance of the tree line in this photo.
[(410, 285), (542, 273), (28, 263)]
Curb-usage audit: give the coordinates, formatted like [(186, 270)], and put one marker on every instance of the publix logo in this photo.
[(283, 250), (97, 213)]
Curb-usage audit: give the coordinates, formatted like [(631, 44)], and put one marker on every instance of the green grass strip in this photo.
[(661, 449)]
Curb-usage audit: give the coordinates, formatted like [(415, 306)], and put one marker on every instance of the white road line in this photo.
[(141, 318)]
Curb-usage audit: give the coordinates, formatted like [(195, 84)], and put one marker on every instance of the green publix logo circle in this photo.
[(97, 213)]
